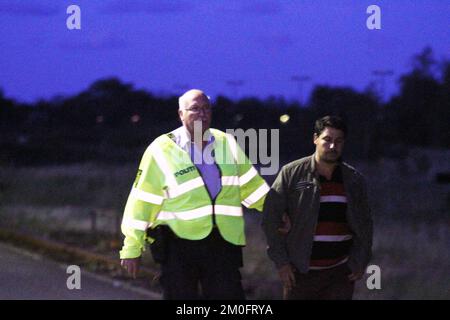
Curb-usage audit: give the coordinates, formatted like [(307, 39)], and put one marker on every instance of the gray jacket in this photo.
[(296, 191)]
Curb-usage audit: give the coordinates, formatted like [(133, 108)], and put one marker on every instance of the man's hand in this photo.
[(287, 276), (355, 276), (286, 225), (131, 265)]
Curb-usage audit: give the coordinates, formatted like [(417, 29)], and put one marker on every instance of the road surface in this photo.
[(24, 275)]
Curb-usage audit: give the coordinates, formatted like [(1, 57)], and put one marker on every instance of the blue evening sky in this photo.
[(167, 46)]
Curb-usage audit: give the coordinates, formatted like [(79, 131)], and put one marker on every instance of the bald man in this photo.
[(186, 201)]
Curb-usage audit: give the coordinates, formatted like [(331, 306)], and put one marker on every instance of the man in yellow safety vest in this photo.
[(188, 191)]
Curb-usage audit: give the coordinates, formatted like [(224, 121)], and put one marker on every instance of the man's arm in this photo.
[(362, 247), (131, 265), (143, 204), (275, 207)]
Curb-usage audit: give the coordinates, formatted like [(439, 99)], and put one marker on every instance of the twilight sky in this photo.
[(165, 46)]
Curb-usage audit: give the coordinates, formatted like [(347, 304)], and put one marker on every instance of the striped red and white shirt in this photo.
[(333, 237)]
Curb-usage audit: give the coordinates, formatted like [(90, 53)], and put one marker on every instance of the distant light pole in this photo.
[(382, 75), (300, 80), (235, 84)]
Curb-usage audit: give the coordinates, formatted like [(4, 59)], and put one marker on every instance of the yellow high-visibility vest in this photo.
[(169, 190)]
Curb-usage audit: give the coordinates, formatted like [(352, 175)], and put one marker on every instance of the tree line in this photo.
[(113, 122)]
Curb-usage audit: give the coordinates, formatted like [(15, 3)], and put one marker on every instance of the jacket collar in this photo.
[(182, 138), (313, 165)]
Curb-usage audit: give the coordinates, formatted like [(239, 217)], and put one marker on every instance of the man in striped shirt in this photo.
[(333, 237), (321, 204)]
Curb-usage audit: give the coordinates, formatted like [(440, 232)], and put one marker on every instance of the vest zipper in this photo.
[(213, 201)]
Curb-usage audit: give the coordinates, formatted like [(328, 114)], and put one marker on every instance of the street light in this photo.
[(284, 118)]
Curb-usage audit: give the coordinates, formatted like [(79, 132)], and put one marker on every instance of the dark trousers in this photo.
[(202, 269), (328, 284)]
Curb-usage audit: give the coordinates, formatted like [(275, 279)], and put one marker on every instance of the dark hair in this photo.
[(332, 122)]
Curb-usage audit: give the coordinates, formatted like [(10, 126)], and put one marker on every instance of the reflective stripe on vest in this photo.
[(178, 190), (146, 196), (230, 180), (239, 181), (135, 224), (163, 166), (256, 195), (186, 215), (249, 175), (228, 210), (201, 212)]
